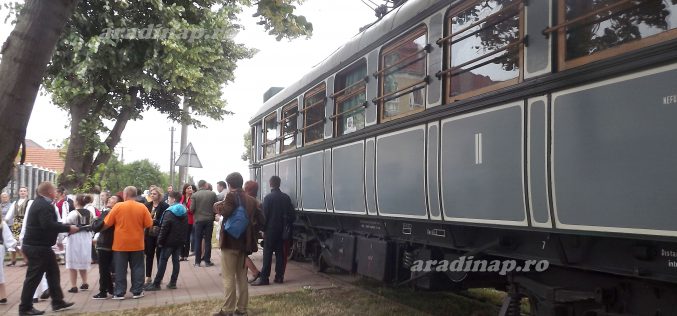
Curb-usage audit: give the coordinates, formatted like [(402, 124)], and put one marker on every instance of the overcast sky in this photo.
[(220, 145)]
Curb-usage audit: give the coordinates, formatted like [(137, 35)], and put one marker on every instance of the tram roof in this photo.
[(345, 54)]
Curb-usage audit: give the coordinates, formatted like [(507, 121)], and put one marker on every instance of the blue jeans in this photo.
[(165, 253), (135, 261), (203, 231)]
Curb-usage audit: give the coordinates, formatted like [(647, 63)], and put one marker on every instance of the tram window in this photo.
[(288, 126), (313, 118), (350, 98), (269, 135), (252, 146), (591, 30), (403, 76), (484, 46)]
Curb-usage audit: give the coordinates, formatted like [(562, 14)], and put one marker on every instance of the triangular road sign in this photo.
[(188, 158)]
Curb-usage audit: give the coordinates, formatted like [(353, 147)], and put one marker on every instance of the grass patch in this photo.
[(329, 302)]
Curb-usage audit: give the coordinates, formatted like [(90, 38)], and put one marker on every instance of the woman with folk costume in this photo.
[(15, 219)]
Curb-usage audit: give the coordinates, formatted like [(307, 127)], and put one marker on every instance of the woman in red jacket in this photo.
[(187, 192)]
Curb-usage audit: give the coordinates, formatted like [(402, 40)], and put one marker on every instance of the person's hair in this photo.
[(185, 186), (117, 197), (130, 192), (222, 184), (275, 182), (82, 199), (158, 190), (210, 187), (43, 188), (234, 180), (61, 190), (251, 188), (176, 195), (201, 184)]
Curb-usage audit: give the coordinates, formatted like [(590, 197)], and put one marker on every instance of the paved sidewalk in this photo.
[(194, 284)]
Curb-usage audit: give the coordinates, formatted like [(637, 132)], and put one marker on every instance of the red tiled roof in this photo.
[(44, 158)]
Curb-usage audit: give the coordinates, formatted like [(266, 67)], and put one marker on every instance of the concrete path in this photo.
[(195, 284)]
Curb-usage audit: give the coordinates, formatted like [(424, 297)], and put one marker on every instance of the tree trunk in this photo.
[(80, 162), (76, 155), (25, 55), (116, 133)]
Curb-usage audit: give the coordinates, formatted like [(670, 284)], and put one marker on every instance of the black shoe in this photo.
[(44, 295), (84, 287), (137, 295), (11, 264), (73, 290), (278, 280), (31, 311), (260, 282), (171, 286), (209, 264), (3, 301), (100, 296), (62, 306), (35, 300), (152, 287), (239, 313), (197, 265)]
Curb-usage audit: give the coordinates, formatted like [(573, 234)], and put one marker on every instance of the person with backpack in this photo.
[(173, 226), (237, 241), (79, 250), (104, 246)]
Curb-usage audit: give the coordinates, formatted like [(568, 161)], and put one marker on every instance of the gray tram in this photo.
[(525, 130)]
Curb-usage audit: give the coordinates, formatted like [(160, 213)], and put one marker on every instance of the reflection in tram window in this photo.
[(603, 28), (288, 126), (269, 135), (350, 97), (484, 47), (313, 118), (403, 76)]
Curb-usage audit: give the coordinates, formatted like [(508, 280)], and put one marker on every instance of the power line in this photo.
[(367, 4)]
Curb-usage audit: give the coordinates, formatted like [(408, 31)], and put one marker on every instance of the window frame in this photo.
[(339, 96), (380, 100), (264, 141), (294, 104), (560, 30), (320, 88), (446, 77)]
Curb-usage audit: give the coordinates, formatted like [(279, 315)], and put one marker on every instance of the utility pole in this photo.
[(184, 141), (122, 155), (171, 156)]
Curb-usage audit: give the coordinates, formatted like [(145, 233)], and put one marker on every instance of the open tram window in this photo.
[(269, 135), (350, 98), (591, 30), (313, 119), (403, 75), (483, 46), (288, 126)]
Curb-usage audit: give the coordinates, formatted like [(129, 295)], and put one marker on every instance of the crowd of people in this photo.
[(128, 230)]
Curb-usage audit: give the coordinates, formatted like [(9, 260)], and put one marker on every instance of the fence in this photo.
[(28, 176)]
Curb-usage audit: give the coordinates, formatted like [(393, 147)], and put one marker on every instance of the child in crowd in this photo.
[(173, 228)]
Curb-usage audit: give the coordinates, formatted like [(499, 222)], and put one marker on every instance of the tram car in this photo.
[(492, 129)]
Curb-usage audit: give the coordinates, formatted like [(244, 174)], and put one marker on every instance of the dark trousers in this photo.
[(165, 253), (41, 260), (135, 261), (270, 246), (105, 270), (186, 244), (203, 231), (151, 251)]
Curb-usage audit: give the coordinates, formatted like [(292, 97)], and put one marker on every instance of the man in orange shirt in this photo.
[(130, 218)]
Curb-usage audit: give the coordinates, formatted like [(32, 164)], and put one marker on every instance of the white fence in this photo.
[(28, 176)]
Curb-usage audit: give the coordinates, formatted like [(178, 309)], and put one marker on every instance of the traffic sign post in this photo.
[(188, 158)]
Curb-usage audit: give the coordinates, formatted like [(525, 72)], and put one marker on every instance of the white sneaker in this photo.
[(135, 296), (115, 297)]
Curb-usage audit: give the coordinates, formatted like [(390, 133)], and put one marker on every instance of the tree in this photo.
[(247, 154), (140, 174), (102, 72), (25, 55)]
